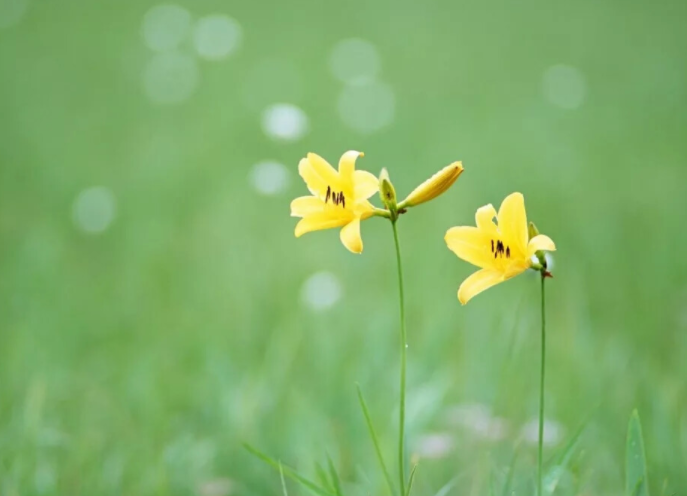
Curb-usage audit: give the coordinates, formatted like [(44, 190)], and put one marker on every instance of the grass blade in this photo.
[(635, 459), (511, 472), (323, 477), (283, 482), (334, 476), (448, 486), (289, 472), (373, 435), (555, 473), (411, 479)]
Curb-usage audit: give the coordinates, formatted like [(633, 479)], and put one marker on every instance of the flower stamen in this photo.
[(337, 198), (499, 249)]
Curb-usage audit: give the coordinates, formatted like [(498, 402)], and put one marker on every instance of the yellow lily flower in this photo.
[(502, 251), (339, 198)]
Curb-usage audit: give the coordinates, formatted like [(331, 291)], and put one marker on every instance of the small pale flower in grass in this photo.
[(502, 250), (434, 186), (339, 198)]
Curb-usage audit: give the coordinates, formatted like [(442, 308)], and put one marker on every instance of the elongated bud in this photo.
[(532, 230), (434, 186), (541, 256), (387, 191)]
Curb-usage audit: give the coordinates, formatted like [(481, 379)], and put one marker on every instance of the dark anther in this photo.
[(492, 246), (508, 252), (329, 194)]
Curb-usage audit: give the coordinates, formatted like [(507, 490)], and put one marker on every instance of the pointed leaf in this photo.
[(411, 479), (335, 476), (560, 465), (289, 472), (283, 482), (635, 459), (323, 477), (373, 435)]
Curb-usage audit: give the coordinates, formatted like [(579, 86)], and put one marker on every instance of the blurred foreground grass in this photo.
[(135, 360)]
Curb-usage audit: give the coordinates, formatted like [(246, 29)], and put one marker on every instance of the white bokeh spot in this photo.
[(165, 27), (368, 108), (321, 291), (564, 86), (354, 61), (269, 177), (553, 432), (284, 121), (434, 446), (94, 209), (12, 11), (171, 78), (215, 37)]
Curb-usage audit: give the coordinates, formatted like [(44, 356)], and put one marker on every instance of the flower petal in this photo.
[(484, 219), (346, 169), (513, 224), (306, 205), (318, 174), (347, 162), (478, 282), (319, 221), (366, 185), (540, 242), (350, 236), (472, 245)]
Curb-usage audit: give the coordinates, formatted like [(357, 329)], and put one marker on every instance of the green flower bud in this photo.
[(387, 191)]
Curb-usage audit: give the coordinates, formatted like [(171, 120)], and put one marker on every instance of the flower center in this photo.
[(336, 198), (499, 249)]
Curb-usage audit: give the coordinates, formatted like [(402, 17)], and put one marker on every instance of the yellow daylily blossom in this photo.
[(501, 250), (339, 198)]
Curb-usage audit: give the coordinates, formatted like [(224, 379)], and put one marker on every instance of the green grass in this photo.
[(138, 361)]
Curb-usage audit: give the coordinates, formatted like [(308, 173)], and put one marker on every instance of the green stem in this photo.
[(404, 346), (541, 385)]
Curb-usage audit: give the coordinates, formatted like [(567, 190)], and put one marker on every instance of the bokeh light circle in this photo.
[(321, 291), (215, 37), (171, 78), (368, 108), (94, 209), (354, 61), (284, 121), (165, 27), (564, 86), (269, 177)]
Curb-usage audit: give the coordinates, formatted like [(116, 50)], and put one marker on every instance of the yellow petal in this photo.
[(347, 162), (478, 282), (364, 210), (318, 221), (471, 244), (346, 169), (513, 224), (540, 242), (318, 174), (484, 219), (434, 186), (350, 236), (366, 185), (306, 205)]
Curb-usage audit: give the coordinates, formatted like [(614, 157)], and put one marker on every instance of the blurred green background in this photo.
[(156, 309)]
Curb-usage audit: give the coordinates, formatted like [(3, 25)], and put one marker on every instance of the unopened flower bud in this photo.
[(532, 231), (387, 191), (434, 186)]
